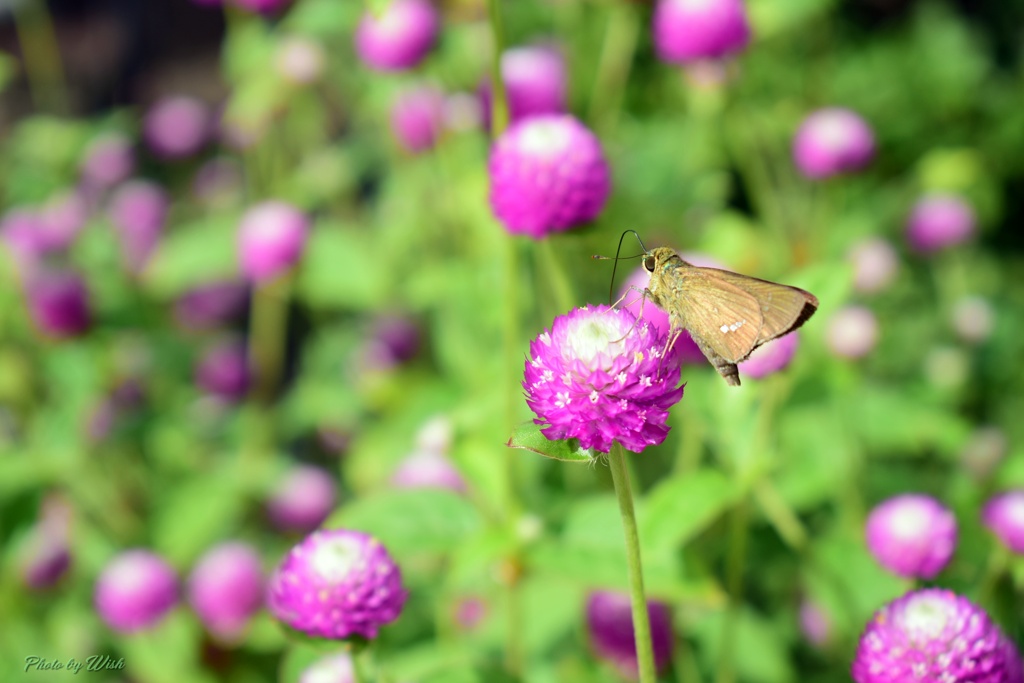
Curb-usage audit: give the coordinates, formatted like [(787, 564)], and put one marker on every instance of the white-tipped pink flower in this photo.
[(535, 82), (1004, 516), (225, 588), (336, 668), (303, 499), (852, 332), (271, 239), (938, 221), (832, 141), (135, 591), (912, 535), (177, 126), (548, 174), (417, 118), (691, 30), (400, 37)]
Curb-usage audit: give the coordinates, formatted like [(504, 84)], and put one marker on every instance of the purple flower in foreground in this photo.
[(225, 588), (912, 535), (934, 635), (938, 221), (772, 357), (336, 668), (548, 174), (271, 239), (59, 303), (599, 376), (832, 141), (690, 30), (135, 590), (1004, 515), (303, 499), (610, 624), (336, 584), (400, 37)]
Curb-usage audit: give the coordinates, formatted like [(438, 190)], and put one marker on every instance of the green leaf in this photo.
[(338, 270), (528, 437), (759, 651), (193, 254), (681, 507), (195, 515), (413, 521)]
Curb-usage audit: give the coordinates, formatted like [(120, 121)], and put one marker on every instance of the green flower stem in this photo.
[(41, 54), (998, 561), (641, 620), (565, 297), (268, 325), (616, 61), (780, 514), (499, 98), (364, 668), (739, 521)]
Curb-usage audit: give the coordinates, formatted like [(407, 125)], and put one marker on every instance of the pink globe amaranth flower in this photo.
[(177, 126), (400, 37), (262, 6), (938, 221), (58, 302), (397, 335), (469, 612), (548, 174), (223, 371), (138, 210), (271, 239), (210, 305), (973, 319), (815, 624), (875, 265), (610, 625), (336, 668), (462, 112), (135, 590), (599, 376), (771, 358), (300, 60), (934, 635), (852, 332), (303, 499), (428, 469), (535, 83), (417, 118), (61, 218), (337, 584), (911, 535), (46, 556), (832, 141), (1004, 515), (691, 30), (225, 588), (108, 160)]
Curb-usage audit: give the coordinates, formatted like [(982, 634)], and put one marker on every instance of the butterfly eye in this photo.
[(649, 263)]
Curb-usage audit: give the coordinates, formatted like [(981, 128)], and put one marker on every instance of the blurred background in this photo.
[(251, 283)]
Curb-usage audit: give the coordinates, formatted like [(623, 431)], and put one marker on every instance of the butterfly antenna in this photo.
[(611, 288)]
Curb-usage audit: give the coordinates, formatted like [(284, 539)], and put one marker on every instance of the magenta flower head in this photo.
[(934, 635), (271, 239), (691, 30), (108, 159), (177, 126), (428, 469), (225, 588), (336, 668), (58, 302), (22, 232), (135, 591), (875, 265), (939, 221), (337, 584), (912, 535), (548, 174), (610, 625), (397, 336), (772, 357), (223, 371), (400, 37), (417, 118), (46, 555), (599, 376), (832, 141), (61, 218), (209, 305), (303, 499), (852, 332), (535, 82), (1004, 515), (138, 210)]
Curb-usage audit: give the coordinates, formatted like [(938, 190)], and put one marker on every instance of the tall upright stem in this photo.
[(641, 618), (41, 55)]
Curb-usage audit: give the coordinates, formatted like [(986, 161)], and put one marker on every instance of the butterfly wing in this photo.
[(783, 308), (719, 314)]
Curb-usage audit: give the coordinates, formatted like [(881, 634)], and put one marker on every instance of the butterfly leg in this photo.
[(643, 300)]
